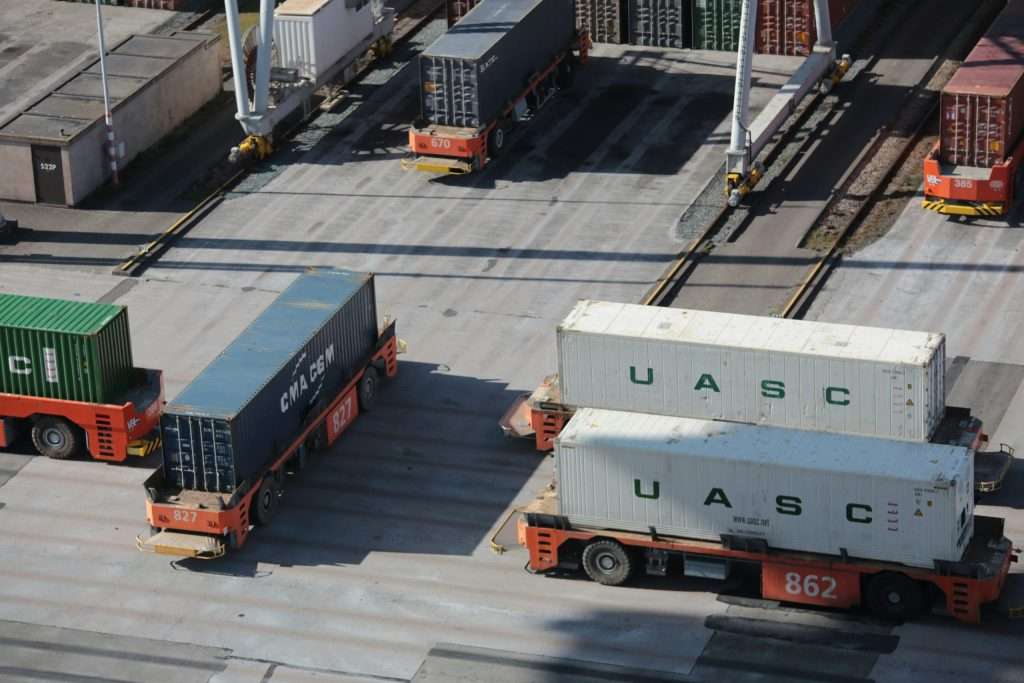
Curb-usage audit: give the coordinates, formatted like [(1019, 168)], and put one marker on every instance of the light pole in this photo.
[(111, 147)]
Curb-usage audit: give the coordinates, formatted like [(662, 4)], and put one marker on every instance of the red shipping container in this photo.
[(982, 106), (788, 27)]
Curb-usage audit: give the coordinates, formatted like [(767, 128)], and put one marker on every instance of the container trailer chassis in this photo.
[(452, 150), (107, 431), (984, 192), (890, 591), (187, 523), (541, 416)]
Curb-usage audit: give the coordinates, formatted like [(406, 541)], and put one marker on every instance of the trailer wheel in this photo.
[(368, 389), (607, 562), (56, 438), (265, 502), (894, 596), (496, 140)]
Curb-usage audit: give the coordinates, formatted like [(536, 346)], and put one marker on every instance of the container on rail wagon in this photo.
[(982, 105), (792, 373), (312, 35), (469, 74), (70, 350), (252, 400), (874, 499)]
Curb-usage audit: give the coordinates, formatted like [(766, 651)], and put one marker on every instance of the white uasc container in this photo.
[(876, 499), (791, 373)]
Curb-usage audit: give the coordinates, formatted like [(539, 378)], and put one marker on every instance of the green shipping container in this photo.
[(716, 24), (68, 350)]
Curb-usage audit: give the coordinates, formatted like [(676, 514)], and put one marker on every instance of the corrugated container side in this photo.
[(716, 24), (603, 19), (824, 493), (313, 42), (666, 361), (982, 105), (219, 451), (463, 86), (57, 349), (660, 23), (789, 27)]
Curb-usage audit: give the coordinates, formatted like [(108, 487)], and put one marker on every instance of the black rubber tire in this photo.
[(368, 389), (566, 73), (56, 438), (497, 139), (607, 562), (894, 597), (264, 503)]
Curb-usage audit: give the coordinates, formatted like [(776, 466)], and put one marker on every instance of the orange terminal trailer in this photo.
[(287, 386), (889, 590)]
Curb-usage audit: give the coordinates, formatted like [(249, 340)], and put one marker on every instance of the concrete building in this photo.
[(55, 151)]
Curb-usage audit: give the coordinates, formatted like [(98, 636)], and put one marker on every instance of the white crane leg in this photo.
[(237, 63), (262, 86)]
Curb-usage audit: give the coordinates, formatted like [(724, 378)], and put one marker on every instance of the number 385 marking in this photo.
[(811, 585)]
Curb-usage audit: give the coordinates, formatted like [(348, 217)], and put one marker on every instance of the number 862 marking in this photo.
[(811, 585)]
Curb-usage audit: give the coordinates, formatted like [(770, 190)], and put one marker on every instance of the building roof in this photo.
[(77, 104)]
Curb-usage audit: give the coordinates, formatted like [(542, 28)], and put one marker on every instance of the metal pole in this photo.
[(237, 64), (737, 156), (109, 120), (262, 87), (824, 23)]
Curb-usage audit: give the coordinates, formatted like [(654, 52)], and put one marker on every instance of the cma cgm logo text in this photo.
[(770, 388), (22, 365), (305, 375)]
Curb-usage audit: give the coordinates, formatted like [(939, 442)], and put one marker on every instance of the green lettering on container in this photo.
[(788, 505), (653, 495), (636, 380), (706, 381), (773, 388), (717, 496), (851, 508), (830, 396)]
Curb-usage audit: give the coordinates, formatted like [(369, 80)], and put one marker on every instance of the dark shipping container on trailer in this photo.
[(604, 20), (68, 350), (982, 105), (469, 74), (660, 23), (252, 401)]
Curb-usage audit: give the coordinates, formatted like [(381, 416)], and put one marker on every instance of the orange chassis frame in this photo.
[(471, 143), (112, 431), (801, 578), (992, 195), (233, 520)]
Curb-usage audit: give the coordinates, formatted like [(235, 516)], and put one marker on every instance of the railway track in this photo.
[(890, 153)]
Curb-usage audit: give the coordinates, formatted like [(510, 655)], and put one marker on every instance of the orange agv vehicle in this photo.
[(972, 171), (495, 68)]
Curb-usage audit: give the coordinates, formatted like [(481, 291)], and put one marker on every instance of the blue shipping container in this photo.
[(252, 401)]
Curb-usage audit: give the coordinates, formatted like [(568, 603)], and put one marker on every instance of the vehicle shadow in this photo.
[(427, 471)]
